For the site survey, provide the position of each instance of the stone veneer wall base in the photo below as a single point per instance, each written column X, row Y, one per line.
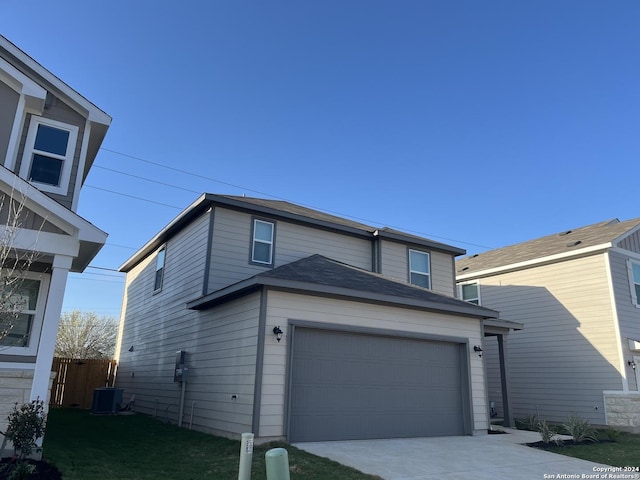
column 622, row 410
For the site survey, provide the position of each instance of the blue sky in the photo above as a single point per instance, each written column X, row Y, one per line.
column 477, row 123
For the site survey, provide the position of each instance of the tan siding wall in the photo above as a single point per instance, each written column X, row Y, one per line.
column 628, row 313
column 283, row 307
column 566, row 355
column 9, row 101
column 631, row 243
column 442, row 277
column 395, row 264
column 232, row 243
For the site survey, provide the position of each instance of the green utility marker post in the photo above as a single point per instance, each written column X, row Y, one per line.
column 277, row 460
column 246, row 455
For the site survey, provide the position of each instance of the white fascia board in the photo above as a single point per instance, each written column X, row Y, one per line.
column 35, row 95
column 92, row 111
column 52, row 211
column 535, row 262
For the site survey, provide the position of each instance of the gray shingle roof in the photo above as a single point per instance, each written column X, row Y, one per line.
column 283, row 206
column 317, row 274
column 564, row 242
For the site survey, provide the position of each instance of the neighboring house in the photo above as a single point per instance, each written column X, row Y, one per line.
column 49, row 137
column 577, row 293
column 294, row 324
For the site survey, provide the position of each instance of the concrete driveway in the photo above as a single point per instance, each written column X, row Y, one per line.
column 482, row 457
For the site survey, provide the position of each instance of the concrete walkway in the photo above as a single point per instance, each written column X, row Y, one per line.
column 481, row 457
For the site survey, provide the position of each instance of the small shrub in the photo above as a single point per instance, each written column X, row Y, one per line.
column 615, row 435
column 546, row 432
column 18, row 471
column 529, row 423
column 580, row 429
column 26, row 426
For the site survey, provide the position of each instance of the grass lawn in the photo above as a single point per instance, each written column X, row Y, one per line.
column 85, row 446
column 625, row 452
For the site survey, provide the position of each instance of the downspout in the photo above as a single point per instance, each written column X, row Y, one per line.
column 257, row 391
column 376, row 253
column 207, row 260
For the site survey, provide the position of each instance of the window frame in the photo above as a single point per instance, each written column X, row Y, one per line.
column 634, row 284
column 418, row 272
column 162, row 250
column 471, row 300
column 31, row 349
column 67, row 160
column 254, row 240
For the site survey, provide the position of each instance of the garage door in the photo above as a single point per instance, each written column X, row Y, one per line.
column 347, row 386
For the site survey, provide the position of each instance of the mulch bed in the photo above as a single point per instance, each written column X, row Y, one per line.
column 44, row 470
column 562, row 443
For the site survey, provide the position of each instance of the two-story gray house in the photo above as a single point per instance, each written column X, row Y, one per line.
column 577, row 293
column 300, row 325
column 49, row 138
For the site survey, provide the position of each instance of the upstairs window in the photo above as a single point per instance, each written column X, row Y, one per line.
column 157, row 286
column 419, row 271
column 48, row 154
column 634, row 282
column 262, row 244
column 470, row 292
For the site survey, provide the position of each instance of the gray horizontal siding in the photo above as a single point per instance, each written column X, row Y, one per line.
column 156, row 325
column 232, row 243
column 395, row 264
column 628, row 313
column 9, row 101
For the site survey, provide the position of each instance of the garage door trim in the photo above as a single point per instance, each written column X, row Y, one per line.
column 465, row 362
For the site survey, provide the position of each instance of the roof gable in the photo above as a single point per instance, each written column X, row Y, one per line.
column 551, row 248
column 90, row 238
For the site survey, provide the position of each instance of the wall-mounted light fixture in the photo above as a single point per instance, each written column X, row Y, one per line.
column 278, row 333
column 131, row 348
column 478, row 350
column 632, row 364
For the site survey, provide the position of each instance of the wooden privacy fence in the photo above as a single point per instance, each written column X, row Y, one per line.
column 77, row 378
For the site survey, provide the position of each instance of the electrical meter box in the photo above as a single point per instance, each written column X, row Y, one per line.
column 180, row 373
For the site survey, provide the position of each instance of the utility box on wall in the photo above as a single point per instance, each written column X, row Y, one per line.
column 180, row 372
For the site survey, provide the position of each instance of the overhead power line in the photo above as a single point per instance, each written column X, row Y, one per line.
column 211, row 179
column 133, row 196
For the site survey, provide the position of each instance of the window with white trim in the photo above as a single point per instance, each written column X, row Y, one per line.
column 634, row 282
column 262, row 243
column 470, row 292
column 159, row 276
column 22, row 313
column 419, row 269
column 48, row 154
